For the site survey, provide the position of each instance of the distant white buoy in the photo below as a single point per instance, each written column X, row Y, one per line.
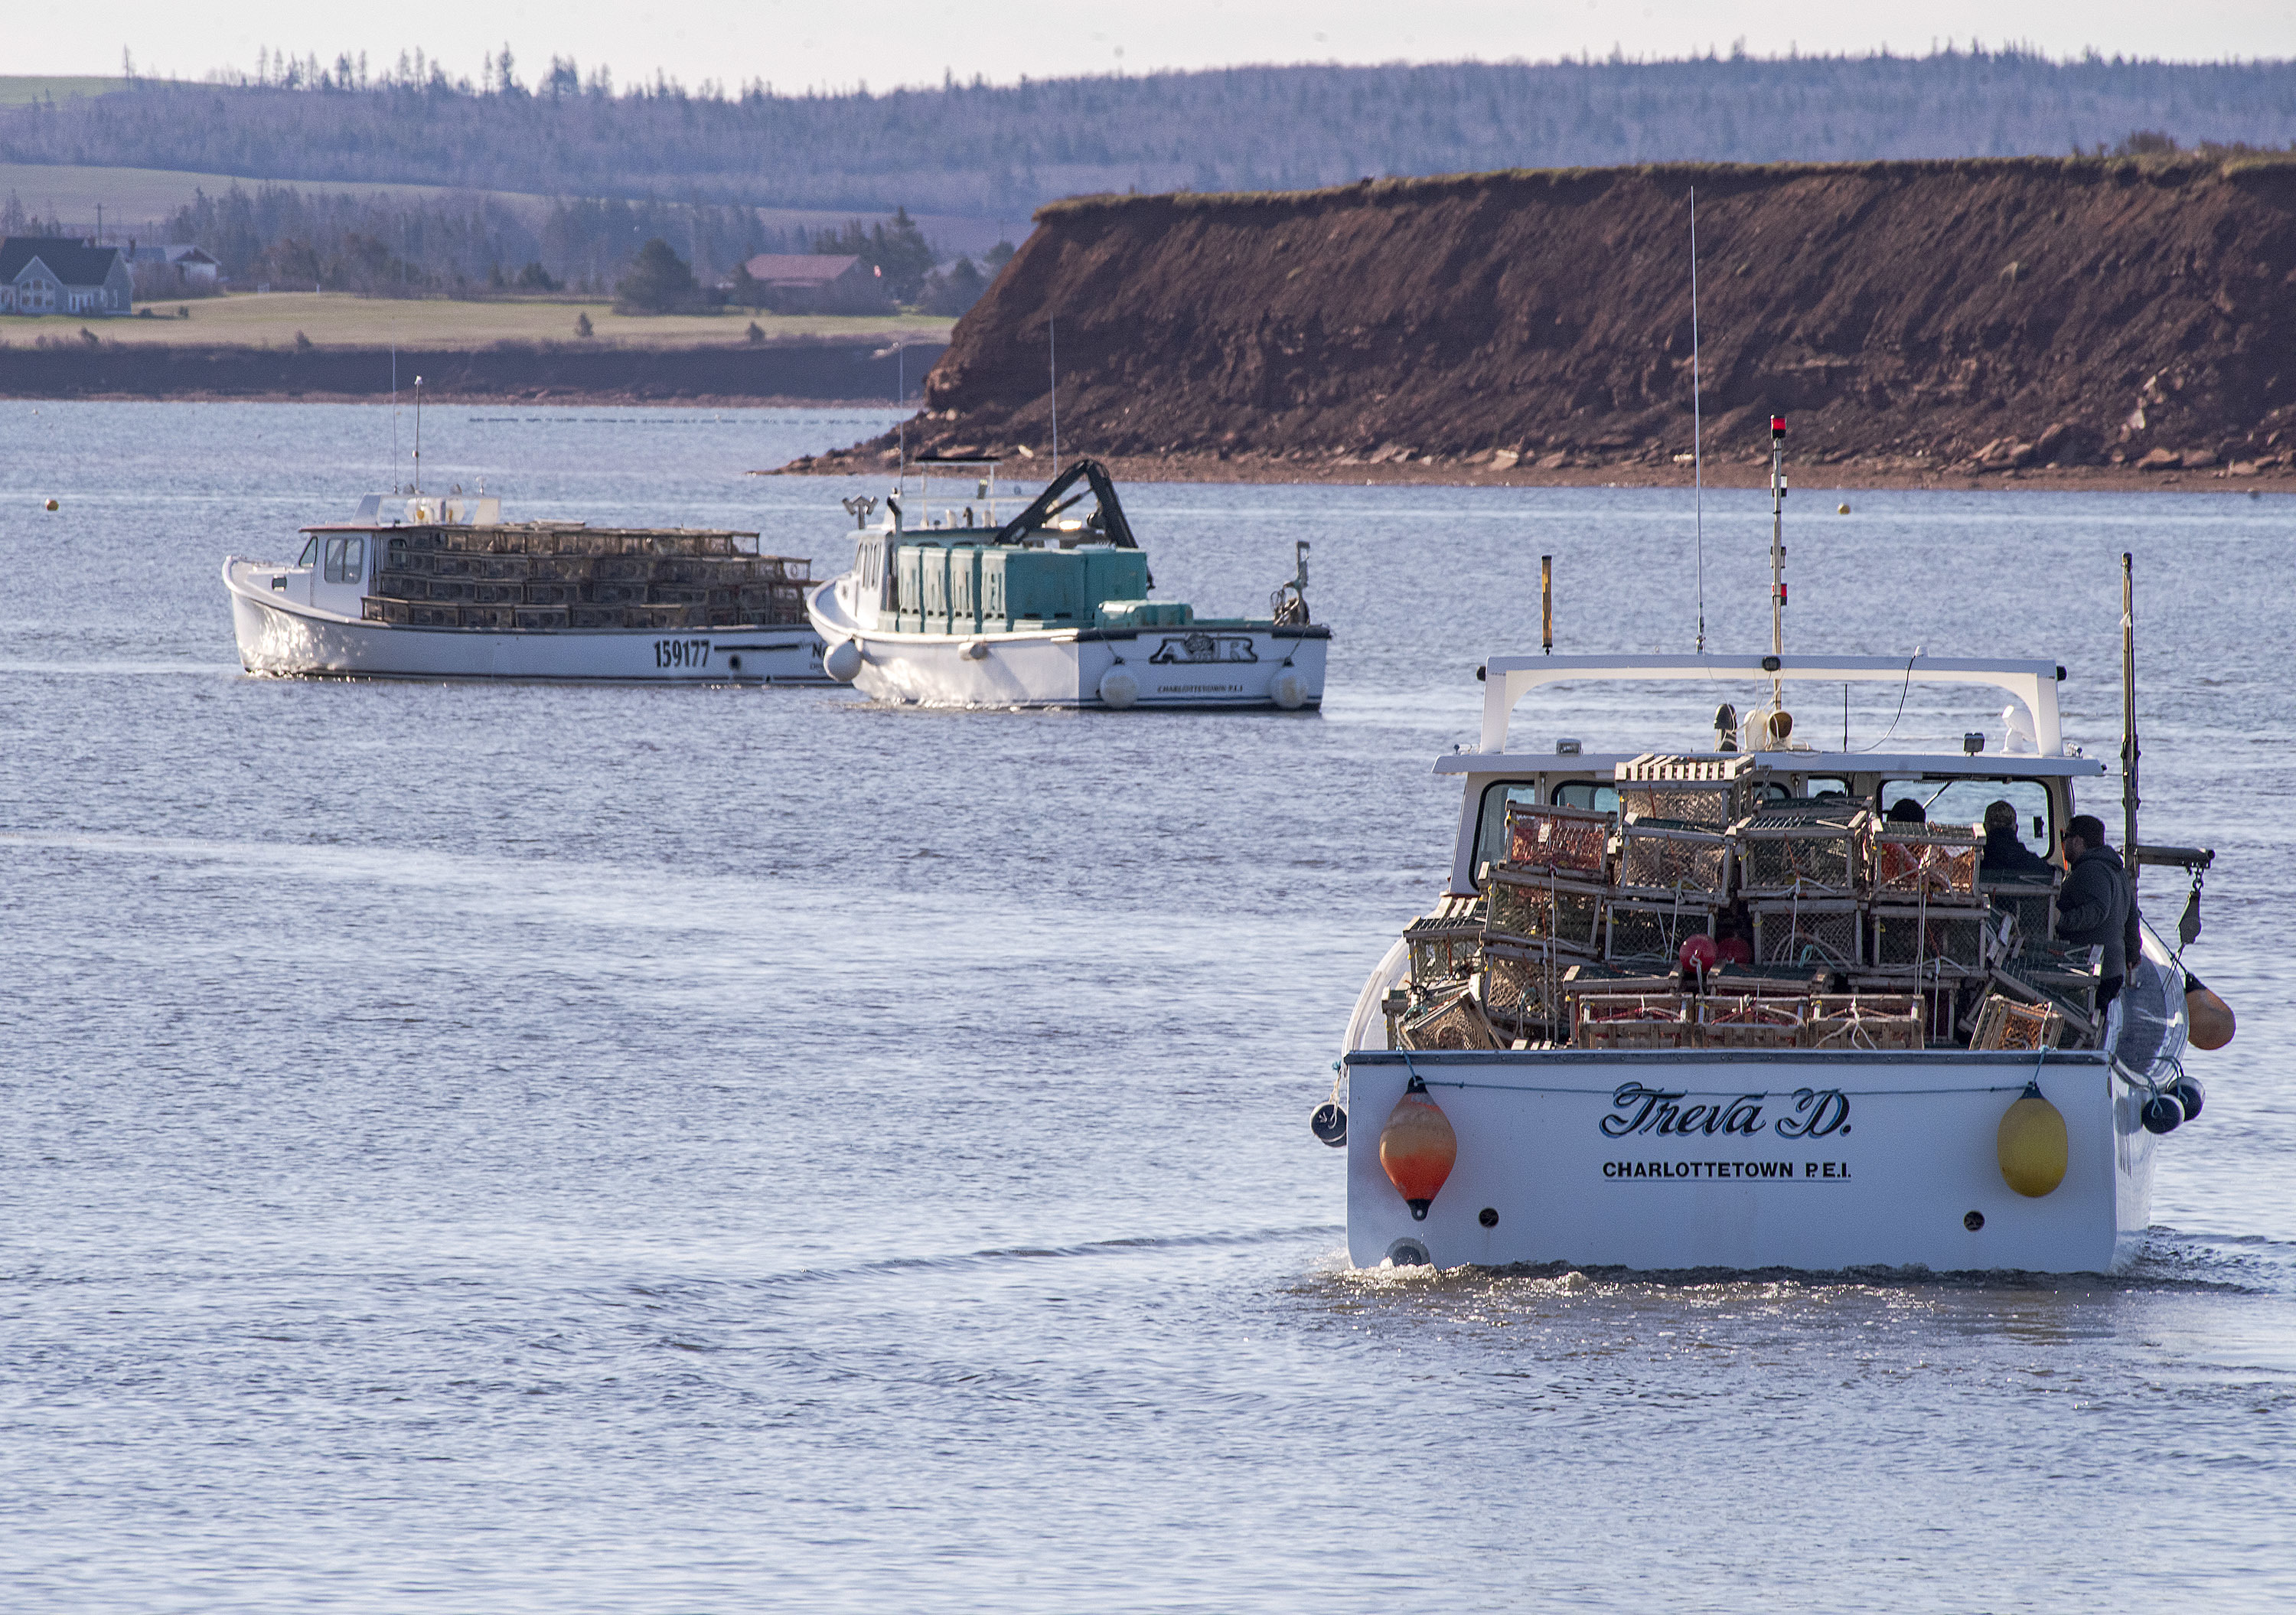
column 1119, row 689
column 843, row 661
column 1288, row 689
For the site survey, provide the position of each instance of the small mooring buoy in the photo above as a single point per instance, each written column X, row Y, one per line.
column 1417, row 1146
column 2031, row 1145
column 52, row 504
column 1841, row 509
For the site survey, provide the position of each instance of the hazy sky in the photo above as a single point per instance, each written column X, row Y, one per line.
column 794, row 44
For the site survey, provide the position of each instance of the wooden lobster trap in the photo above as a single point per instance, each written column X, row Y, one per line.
column 1845, row 1022
column 2003, row 1024
column 1653, row 930
column 1655, row 859
column 2056, row 973
column 2032, row 904
column 1521, row 988
column 1573, row 841
column 1935, row 864
column 1815, row 931
column 1543, row 908
column 1808, row 851
column 1633, row 1020
column 1755, row 1021
column 1443, row 947
column 1703, row 792
column 1940, row 994
column 1450, row 1019
column 1918, row 936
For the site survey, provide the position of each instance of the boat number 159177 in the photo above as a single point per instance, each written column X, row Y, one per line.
column 680, row 652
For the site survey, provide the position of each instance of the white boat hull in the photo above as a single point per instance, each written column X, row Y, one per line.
column 1224, row 667
column 1562, row 1159
column 277, row 635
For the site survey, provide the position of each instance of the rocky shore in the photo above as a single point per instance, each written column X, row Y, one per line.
column 2085, row 322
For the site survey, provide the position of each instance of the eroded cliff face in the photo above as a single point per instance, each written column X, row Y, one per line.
column 1961, row 314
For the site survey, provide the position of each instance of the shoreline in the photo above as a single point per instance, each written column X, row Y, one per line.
column 1846, row 477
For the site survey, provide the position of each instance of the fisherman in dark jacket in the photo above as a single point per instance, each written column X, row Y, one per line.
column 2097, row 907
column 2006, row 857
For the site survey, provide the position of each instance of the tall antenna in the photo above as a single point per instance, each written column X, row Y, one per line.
column 1697, row 426
column 418, row 435
column 2129, row 798
column 1777, row 559
column 901, row 401
column 1053, row 348
column 394, row 410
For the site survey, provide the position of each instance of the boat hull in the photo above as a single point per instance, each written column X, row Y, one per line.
column 1218, row 666
column 278, row 637
column 1806, row 1160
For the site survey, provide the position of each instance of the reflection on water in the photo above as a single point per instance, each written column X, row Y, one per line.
column 489, row 1147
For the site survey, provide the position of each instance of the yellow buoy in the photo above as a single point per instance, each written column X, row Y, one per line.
column 2031, row 1145
column 1841, row 511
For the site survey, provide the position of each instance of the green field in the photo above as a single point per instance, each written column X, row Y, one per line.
column 16, row 90
column 338, row 319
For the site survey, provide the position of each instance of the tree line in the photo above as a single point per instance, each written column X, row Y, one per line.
column 998, row 150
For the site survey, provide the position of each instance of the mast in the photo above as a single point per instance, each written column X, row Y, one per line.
column 2129, row 796
column 1777, row 555
column 1697, row 428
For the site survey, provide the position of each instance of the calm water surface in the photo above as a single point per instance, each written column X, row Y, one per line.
column 490, row 1148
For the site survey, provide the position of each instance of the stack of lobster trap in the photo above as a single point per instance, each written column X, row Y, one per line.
column 559, row 574
column 1835, row 930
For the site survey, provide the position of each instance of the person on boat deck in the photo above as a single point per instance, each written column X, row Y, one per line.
column 1905, row 811
column 2006, row 858
column 2098, row 907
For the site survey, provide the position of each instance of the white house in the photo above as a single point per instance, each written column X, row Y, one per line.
column 56, row 274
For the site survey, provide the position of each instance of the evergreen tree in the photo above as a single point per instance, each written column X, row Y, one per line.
column 660, row 282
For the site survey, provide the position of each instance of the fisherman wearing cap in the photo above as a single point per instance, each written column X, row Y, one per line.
column 2006, row 858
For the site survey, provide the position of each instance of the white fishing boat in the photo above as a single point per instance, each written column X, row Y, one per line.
column 1758, row 1003
column 1047, row 610
column 430, row 587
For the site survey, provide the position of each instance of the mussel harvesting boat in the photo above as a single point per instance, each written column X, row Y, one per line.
column 430, row 587
column 1047, row 610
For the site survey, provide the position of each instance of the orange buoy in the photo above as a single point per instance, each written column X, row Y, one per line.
column 1417, row 1147
column 2208, row 1021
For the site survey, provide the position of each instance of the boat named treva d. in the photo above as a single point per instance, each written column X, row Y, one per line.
column 1757, row 1004
column 430, row 587
column 1045, row 610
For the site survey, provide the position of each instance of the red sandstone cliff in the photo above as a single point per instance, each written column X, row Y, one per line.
column 1909, row 316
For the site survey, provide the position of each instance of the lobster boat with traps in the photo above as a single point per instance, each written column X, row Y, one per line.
column 430, row 587
column 1761, row 1003
column 955, row 609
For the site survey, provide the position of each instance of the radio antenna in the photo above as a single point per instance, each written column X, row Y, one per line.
column 1052, row 363
column 1697, row 427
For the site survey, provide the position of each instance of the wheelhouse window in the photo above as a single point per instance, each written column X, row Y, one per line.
column 1490, row 825
column 346, row 559
column 1964, row 801
column 310, row 555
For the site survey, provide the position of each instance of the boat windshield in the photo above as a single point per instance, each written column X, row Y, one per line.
column 1964, row 801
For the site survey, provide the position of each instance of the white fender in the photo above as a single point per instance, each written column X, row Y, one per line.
column 843, row 661
column 1117, row 688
